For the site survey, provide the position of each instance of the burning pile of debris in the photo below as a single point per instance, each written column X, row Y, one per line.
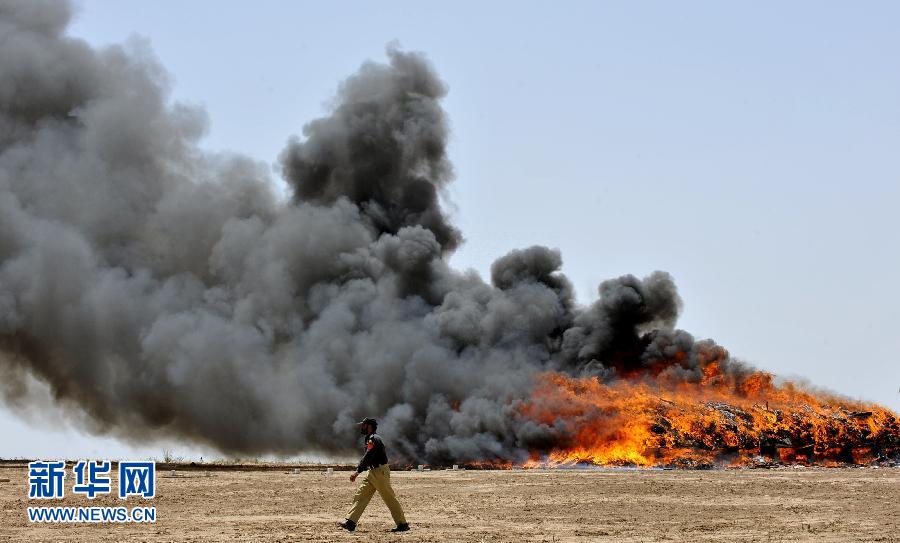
column 709, row 423
column 800, row 434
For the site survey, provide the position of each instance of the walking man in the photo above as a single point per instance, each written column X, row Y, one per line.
column 377, row 477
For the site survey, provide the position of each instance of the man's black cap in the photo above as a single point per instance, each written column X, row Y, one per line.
column 368, row 420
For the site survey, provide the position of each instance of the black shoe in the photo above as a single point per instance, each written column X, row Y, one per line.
column 401, row 528
column 349, row 525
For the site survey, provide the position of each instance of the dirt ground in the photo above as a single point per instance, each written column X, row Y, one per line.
column 821, row 505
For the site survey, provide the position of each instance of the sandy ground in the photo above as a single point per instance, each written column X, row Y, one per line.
column 821, row 505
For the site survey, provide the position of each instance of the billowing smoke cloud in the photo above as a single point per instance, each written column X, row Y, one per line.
column 383, row 148
column 165, row 291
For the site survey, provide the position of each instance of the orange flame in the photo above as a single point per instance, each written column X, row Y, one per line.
column 720, row 419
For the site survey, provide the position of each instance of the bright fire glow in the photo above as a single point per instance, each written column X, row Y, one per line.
column 718, row 420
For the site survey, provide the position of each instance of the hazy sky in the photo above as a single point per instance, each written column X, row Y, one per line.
column 751, row 151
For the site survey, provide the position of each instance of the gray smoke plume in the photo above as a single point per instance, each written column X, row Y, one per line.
column 383, row 148
column 164, row 290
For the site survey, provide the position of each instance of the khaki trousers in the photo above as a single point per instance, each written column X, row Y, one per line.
column 376, row 479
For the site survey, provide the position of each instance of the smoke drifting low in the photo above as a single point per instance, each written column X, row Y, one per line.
column 165, row 291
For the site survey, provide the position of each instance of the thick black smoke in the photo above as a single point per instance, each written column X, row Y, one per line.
column 164, row 291
column 383, row 148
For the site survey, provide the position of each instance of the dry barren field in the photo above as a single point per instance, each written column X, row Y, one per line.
column 821, row 505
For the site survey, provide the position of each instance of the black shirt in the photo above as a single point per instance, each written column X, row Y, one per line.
column 375, row 454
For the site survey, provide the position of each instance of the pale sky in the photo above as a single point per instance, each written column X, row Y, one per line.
column 750, row 150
